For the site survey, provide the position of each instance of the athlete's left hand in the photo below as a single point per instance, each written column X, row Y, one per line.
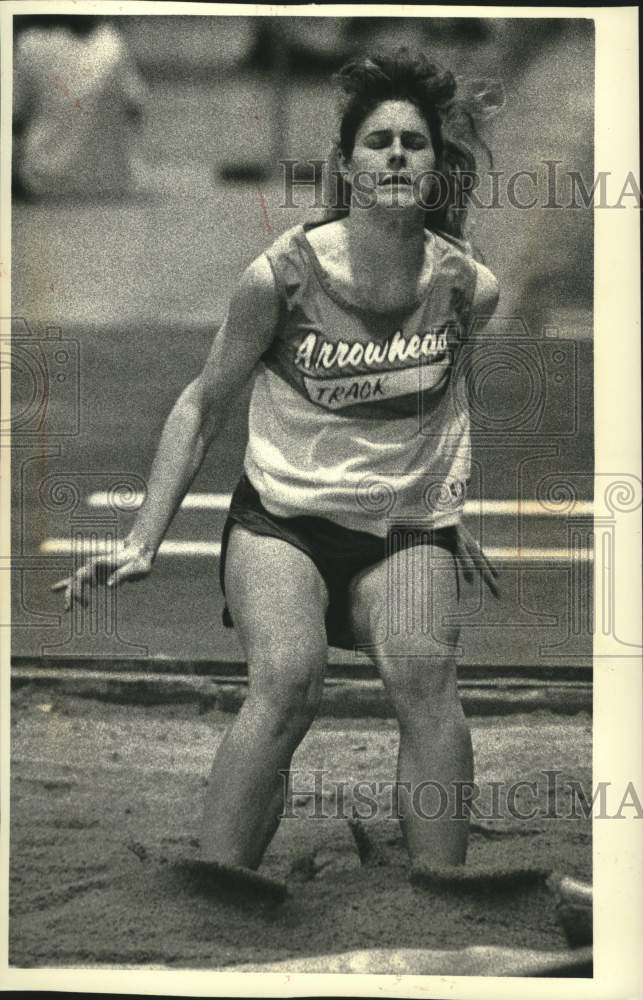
column 472, row 560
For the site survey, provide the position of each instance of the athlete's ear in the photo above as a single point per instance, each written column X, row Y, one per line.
column 342, row 162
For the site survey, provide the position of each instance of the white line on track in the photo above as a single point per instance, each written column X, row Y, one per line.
column 538, row 555
column 66, row 546
column 221, row 501
column 527, row 508
column 132, row 501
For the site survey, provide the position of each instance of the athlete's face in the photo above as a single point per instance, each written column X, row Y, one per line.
column 393, row 158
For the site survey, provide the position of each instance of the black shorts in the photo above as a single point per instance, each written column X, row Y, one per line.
column 338, row 553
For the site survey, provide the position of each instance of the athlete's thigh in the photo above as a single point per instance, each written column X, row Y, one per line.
column 275, row 594
column 405, row 605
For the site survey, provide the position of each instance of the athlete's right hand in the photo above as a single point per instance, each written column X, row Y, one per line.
column 126, row 561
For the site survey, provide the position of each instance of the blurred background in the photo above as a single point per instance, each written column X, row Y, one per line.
column 146, row 176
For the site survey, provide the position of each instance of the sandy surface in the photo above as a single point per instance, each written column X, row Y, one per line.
column 106, row 800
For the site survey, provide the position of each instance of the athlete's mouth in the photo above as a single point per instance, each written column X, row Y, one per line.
column 395, row 180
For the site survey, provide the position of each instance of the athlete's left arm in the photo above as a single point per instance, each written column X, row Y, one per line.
column 471, row 558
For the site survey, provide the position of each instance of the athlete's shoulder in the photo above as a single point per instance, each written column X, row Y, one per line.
column 289, row 262
column 485, row 284
column 285, row 242
column 487, row 292
column 257, row 278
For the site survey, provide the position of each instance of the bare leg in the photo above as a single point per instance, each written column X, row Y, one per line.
column 414, row 653
column 277, row 600
column 435, row 749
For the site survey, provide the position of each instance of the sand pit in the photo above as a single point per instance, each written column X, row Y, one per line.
column 106, row 802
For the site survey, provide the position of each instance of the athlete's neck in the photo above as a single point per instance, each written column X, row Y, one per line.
column 394, row 240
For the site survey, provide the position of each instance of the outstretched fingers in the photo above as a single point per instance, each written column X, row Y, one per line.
column 114, row 568
column 487, row 569
column 74, row 585
column 474, row 559
column 491, row 569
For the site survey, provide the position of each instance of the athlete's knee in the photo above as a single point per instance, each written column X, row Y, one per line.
column 423, row 689
column 287, row 686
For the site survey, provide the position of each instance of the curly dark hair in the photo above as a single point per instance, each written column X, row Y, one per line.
column 366, row 82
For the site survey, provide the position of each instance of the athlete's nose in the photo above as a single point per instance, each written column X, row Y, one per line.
column 396, row 156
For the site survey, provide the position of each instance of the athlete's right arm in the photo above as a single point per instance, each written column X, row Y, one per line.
column 194, row 421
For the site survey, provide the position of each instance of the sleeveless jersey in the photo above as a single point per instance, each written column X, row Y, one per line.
column 360, row 416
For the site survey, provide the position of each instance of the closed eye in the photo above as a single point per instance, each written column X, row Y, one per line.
column 378, row 140
column 384, row 137
column 414, row 140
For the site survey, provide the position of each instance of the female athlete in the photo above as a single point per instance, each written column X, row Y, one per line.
column 345, row 528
